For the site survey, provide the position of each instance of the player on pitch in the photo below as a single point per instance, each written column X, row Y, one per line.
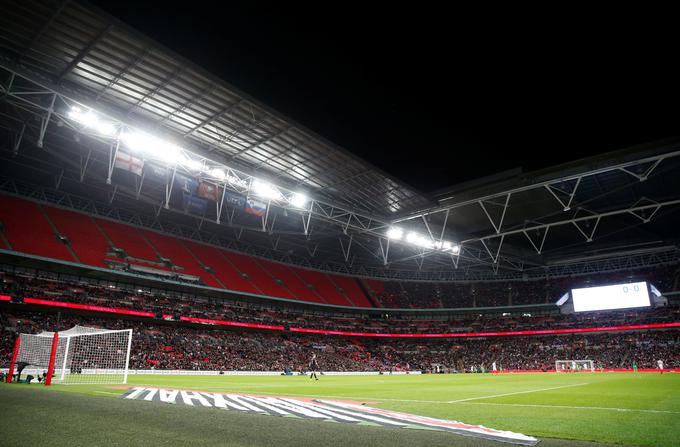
column 313, row 368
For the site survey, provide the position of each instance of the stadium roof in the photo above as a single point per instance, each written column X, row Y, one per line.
column 119, row 69
column 57, row 57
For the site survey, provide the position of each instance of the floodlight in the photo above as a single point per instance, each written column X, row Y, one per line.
column 237, row 181
column 106, row 129
column 217, row 173
column 298, row 200
column 193, row 165
column 87, row 119
column 153, row 146
column 412, row 237
column 455, row 248
column 266, row 190
column 395, row 233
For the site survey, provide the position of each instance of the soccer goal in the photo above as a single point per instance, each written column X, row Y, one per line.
column 574, row 365
column 80, row 355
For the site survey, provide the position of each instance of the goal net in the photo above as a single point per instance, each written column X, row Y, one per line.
column 574, row 365
column 80, row 355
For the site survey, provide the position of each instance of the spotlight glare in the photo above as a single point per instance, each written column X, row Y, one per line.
column 265, row 190
column 106, row 129
column 395, row 233
column 193, row 165
column 298, row 200
column 217, row 173
column 153, row 146
column 87, row 119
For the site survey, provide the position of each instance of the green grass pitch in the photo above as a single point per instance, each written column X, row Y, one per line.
column 560, row 409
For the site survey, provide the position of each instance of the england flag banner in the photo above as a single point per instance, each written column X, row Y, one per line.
column 129, row 163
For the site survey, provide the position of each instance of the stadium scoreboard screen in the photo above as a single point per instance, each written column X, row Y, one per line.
column 616, row 296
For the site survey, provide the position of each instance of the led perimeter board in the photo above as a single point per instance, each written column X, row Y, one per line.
column 616, row 296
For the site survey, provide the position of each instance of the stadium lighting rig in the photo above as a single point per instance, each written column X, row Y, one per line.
column 151, row 147
column 419, row 240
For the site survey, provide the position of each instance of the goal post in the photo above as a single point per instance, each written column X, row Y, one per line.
column 574, row 365
column 80, row 355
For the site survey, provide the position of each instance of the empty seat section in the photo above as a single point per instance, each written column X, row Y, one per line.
column 172, row 248
column 27, row 229
column 262, row 279
column 374, row 285
column 292, row 282
column 129, row 239
column 86, row 240
column 228, row 275
column 352, row 290
column 323, row 286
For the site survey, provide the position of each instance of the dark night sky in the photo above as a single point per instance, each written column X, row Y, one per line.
column 438, row 97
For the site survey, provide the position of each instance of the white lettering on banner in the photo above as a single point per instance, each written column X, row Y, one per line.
column 189, row 396
column 321, row 409
column 168, row 396
column 151, row 394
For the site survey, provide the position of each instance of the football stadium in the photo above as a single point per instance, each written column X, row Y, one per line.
column 182, row 264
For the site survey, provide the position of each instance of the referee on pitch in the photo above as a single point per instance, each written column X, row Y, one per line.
column 313, row 368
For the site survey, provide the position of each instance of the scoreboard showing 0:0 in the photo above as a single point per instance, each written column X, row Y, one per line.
column 616, row 296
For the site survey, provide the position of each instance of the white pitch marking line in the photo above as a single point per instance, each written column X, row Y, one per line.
column 517, row 392
column 108, row 392
column 575, row 407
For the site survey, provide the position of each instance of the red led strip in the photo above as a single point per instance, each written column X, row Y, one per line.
column 490, row 334
column 230, row 323
column 343, row 333
column 135, row 313
column 5, row 298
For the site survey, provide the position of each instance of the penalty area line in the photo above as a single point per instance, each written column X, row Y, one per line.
column 515, row 393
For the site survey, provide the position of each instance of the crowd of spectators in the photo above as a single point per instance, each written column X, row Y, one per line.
column 244, row 312
column 424, row 295
column 175, row 346
column 162, row 344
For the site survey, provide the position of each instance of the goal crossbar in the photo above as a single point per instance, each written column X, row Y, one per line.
column 77, row 355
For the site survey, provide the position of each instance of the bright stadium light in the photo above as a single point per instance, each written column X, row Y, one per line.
column 233, row 180
column 265, row 190
column 395, row 233
column 298, row 200
column 455, row 248
column 87, row 119
column 217, row 173
column 106, row 129
column 153, row 146
column 193, row 165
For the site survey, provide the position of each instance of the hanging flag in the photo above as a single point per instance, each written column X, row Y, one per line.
column 234, row 200
column 208, row 191
column 185, row 183
column 194, row 205
column 154, row 171
column 129, row 163
column 255, row 207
